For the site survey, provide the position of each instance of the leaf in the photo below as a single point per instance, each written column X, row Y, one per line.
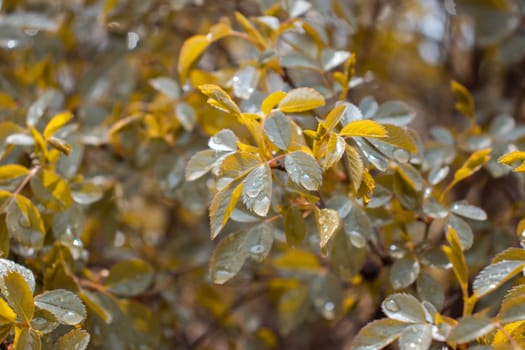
column 56, row 123
column 411, row 175
column 326, row 294
column 378, row 334
column 334, row 117
column 347, row 259
column 219, row 99
column 237, row 165
column 278, row 130
column 404, row 272
column 224, row 140
column 304, row 170
column 364, row 128
column 7, row 101
column 328, row 222
column 27, row 339
column 10, row 172
column 20, row 139
column 510, row 254
column 76, row 339
column 394, row 113
column 469, row 211
column 190, row 52
column 301, row 100
column 25, row 224
column 430, row 290
column 399, row 137
column 404, row 307
column 271, row 101
column 494, row 275
column 416, row 337
column 473, row 164
column 44, row 322
column 7, row 266
column 335, row 150
column 60, row 145
column 7, row 315
column 470, row 328
column 96, row 305
column 294, row 226
column 293, row 308
column 5, row 331
column 66, row 306
column 355, row 167
column 513, row 306
column 257, row 190
column 462, row 228
column 456, row 257
column 19, row 296
column 250, row 29
column 51, row 190
column 222, row 206
column 167, row 86
column 358, row 224
column 464, row 100
column 129, row 277
column 202, row 162
column 512, row 157
column 231, row 253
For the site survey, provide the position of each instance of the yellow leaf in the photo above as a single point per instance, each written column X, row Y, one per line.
column 355, row 166
column 328, row 222
column 7, row 315
column 219, row 99
column 516, row 330
column 250, row 29
column 365, row 128
column 271, row 101
column 7, row 101
column 464, row 100
column 56, row 123
column 296, row 259
column 473, row 163
column 399, row 137
column 222, row 206
column 455, row 255
column 512, row 157
column 333, row 118
column 190, row 52
column 40, row 143
column 367, row 186
column 301, row 100
column 12, row 171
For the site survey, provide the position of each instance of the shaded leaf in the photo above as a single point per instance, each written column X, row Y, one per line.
column 334, row 151
column 470, row 328
column 411, row 175
column 404, row 272
column 202, row 162
column 430, row 290
column 51, row 190
column 7, row 315
column 293, row 308
column 129, row 277
column 355, row 167
column 463, row 230
column 66, row 306
column 304, row 170
column 27, row 339
column 378, row 334
column 224, row 140
column 222, row 206
column 416, row 337
column 301, row 100
column 76, row 339
column 464, row 100
column 167, row 86
column 7, row 266
column 19, row 296
column 394, row 112
column 44, row 321
column 25, row 224
column 513, row 306
column 219, row 99
column 294, row 226
column 278, row 130
column 257, row 190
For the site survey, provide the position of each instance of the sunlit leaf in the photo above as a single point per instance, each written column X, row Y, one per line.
column 7, row 315
column 25, row 224
column 301, row 100
column 219, row 99
column 271, row 101
column 464, row 100
column 66, row 306
column 328, row 222
column 355, row 167
column 56, row 123
column 51, row 190
column 394, row 112
column 190, row 52
column 429, row 289
column 365, row 128
column 457, row 259
column 399, row 137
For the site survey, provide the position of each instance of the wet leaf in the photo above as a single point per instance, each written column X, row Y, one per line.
column 271, row 101
column 494, row 275
column 328, row 222
column 294, row 226
column 404, row 307
column 404, row 272
column 513, row 306
column 245, row 82
column 51, row 190
column 25, row 224
column 222, row 206
column 430, row 289
column 469, row 211
column 129, row 277
column 7, row 314
column 301, row 100
column 224, row 140
column 355, row 166
column 190, row 52
column 219, row 99
column 19, row 296
column 304, row 170
column 378, row 334
column 473, row 164
column 202, row 162
column 357, row 225
column 394, row 112
column 416, row 337
column 470, row 328
column 463, row 230
column 66, row 306
column 44, row 321
column 335, row 150
column 455, row 255
column 76, row 339
column 257, row 190
column 278, row 130
column 399, row 137
column 411, row 175
column 7, row 266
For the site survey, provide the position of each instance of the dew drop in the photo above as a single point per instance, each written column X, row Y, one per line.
column 262, row 206
column 357, row 239
column 308, row 182
column 396, row 250
column 71, row 317
column 401, row 155
column 328, row 310
column 391, row 305
column 253, row 191
column 257, row 249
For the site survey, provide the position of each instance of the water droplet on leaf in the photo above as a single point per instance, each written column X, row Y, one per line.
column 391, row 305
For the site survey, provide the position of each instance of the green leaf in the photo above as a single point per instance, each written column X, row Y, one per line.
column 231, row 252
column 328, row 222
column 56, row 123
column 27, row 339
column 25, row 224
column 129, row 277
column 51, row 190
column 66, row 306
column 416, row 337
column 304, row 170
column 7, row 315
column 294, row 226
column 190, row 52
column 301, row 100
column 469, row 211
column 464, row 100
column 462, row 228
column 222, row 206
column 96, row 305
column 404, row 307
column 470, row 328
column 44, row 322
column 293, row 308
column 202, row 162
column 326, row 294
column 76, row 339
column 346, row 258
column 12, row 171
column 257, row 190
column 364, row 128
column 357, row 226
column 167, row 86
column 219, row 99
column 430, row 290
column 19, row 296
column 455, row 256
column 355, row 167
column 378, row 334
column 404, row 272
column 278, row 130
column 394, row 112
column 494, row 275
column 224, row 140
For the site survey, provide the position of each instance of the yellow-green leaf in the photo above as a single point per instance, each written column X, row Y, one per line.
column 51, row 190
column 25, row 224
column 455, row 256
column 364, row 128
column 76, row 339
column 219, row 99
column 473, row 163
column 301, row 100
column 271, row 101
column 328, row 222
column 464, row 100
column 250, row 29
column 27, row 339
column 222, row 206
column 355, row 167
column 7, row 315
column 399, row 137
column 333, row 118
column 190, row 52
column 57, row 122
column 19, row 296
column 12, row 171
